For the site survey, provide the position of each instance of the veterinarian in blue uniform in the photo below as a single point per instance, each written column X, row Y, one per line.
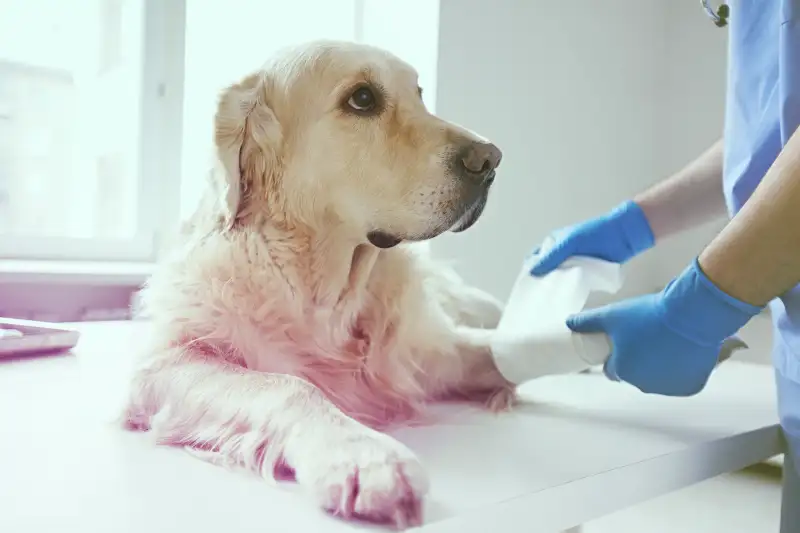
column 668, row 343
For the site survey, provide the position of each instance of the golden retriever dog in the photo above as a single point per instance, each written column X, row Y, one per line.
column 295, row 318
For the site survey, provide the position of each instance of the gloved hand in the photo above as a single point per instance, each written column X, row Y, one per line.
column 616, row 236
column 668, row 343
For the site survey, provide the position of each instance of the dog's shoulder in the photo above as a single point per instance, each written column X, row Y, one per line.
column 234, row 272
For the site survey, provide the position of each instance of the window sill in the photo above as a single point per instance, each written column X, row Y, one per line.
column 93, row 273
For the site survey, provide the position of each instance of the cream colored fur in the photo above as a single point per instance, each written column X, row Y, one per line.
column 282, row 339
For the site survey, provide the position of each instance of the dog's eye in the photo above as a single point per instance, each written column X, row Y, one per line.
column 362, row 99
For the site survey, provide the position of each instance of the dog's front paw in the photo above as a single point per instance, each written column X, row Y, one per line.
column 366, row 475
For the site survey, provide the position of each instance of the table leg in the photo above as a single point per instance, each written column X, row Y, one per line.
column 790, row 499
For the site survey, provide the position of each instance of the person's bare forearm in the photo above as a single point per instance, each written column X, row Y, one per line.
column 757, row 256
column 691, row 197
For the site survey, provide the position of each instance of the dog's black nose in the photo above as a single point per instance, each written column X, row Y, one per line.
column 479, row 160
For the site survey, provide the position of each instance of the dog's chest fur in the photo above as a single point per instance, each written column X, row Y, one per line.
column 265, row 312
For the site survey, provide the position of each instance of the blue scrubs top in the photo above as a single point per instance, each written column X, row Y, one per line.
column 762, row 112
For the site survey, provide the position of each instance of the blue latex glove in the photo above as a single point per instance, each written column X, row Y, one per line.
column 668, row 343
column 616, row 236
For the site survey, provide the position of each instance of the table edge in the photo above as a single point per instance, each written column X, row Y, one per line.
column 620, row 487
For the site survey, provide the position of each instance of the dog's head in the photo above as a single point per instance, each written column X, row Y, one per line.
column 337, row 133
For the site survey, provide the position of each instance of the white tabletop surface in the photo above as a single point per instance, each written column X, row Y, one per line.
column 578, row 448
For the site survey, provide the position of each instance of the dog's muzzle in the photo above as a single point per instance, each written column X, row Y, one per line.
column 475, row 166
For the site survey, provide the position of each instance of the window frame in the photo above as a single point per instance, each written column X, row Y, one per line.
column 159, row 157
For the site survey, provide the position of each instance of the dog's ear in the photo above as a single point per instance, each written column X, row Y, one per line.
column 248, row 139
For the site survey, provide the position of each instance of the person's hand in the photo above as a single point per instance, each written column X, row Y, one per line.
column 668, row 343
column 616, row 236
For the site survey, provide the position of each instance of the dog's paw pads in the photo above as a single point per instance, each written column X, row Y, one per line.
column 371, row 479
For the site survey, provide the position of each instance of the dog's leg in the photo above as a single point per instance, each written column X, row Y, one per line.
column 475, row 308
column 464, row 304
column 473, row 314
column 275, row 424
column 466, row 370
column 481, row 379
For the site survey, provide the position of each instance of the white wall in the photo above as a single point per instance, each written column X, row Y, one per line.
column 590, row 103
column 693, row 96
column 387, row 25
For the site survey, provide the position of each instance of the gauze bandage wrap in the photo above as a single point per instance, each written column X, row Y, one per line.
column 532, row 338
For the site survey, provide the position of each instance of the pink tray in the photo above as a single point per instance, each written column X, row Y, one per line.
column 37, row 337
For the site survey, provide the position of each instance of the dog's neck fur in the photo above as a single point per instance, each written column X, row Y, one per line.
column 342, row 269
column 340, row 265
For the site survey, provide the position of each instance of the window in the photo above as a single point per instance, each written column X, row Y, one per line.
column 72, row 115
